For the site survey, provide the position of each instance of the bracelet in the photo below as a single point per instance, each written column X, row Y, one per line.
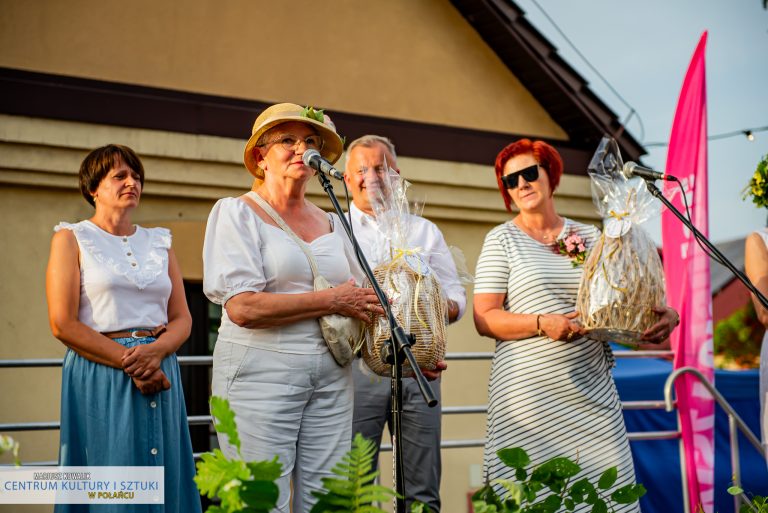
column 538, row 326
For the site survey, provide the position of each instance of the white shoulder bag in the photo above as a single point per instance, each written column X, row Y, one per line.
column 344, row 335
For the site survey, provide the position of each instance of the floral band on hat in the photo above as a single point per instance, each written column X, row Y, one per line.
column 311, row 113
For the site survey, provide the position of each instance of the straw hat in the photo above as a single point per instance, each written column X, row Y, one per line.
column 333, row 146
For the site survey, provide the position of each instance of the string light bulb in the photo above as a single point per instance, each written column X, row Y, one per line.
column 749, row 133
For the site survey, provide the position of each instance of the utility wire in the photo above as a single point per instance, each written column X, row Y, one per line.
column 632, row 110
column 747, row 132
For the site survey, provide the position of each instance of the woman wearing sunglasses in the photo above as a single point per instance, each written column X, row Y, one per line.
column 551, row 391
column 290, row 398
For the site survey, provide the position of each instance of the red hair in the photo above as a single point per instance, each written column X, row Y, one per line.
column 546, row 156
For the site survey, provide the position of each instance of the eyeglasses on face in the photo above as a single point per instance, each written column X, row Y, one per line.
column 379, row 170
column 291, row 142
column 530, row 174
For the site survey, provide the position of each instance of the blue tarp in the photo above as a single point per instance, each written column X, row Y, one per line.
column 657, row 462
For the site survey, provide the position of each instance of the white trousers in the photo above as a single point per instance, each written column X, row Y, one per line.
column 294, row 406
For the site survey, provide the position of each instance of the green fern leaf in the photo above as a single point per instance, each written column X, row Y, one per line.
column 339, row 487
column 353, row 490
column 369, row 509
column 379, row 494
column 342, row 503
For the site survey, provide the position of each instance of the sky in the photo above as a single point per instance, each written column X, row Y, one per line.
column 643, row 50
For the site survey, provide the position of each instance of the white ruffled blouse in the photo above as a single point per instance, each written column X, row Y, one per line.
column 124, row 281
column 242, row 253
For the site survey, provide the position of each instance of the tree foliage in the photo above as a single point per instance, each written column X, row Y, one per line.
column 738, row 338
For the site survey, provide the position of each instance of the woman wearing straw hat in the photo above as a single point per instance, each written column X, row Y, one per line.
column 551, row 391
column 290, row 397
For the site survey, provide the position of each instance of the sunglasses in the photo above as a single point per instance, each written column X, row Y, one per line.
column 530, row 174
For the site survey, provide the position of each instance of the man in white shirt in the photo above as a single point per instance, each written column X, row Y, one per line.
column 420, row 424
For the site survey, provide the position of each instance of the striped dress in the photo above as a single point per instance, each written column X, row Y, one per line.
column 550, row 398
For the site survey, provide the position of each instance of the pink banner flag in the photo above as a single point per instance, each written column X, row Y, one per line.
column 686, row 268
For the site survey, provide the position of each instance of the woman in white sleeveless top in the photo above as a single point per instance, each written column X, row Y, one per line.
column 756, row 266
column 551, row 392
column 116, row 300
column 290, row 397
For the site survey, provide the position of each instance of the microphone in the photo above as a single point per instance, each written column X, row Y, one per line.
column 313, row 159
column 632, row 169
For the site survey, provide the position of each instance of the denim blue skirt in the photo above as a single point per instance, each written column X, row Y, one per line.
column 107, row 421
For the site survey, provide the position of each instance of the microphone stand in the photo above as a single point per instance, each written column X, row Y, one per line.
column 701, row 238
column 396, row 350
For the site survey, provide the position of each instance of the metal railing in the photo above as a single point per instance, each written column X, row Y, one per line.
column 735, row 423
column 447, row 410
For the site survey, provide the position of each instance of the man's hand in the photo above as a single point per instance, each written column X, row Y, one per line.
column 660, row 331
column 432, row 375
column 452, row 308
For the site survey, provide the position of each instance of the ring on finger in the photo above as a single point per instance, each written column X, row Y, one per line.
column 570, row 335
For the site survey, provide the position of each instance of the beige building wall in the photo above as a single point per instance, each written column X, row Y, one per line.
column 185, row 175
column 414, row 60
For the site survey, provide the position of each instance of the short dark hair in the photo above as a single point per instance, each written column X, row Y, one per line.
column 98, row 163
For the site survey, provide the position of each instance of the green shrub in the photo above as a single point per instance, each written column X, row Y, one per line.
column 251, row 488
column 240, row 486
column 754, row 504
column 737, row 339
column 554, row 475
column 8, row 444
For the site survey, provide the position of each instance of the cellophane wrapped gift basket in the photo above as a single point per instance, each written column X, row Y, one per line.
column 623, row 276
column 416, row 297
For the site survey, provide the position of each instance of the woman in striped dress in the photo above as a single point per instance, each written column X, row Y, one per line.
column 551, row 391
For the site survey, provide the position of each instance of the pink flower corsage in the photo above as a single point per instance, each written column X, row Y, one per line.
column 572, row 246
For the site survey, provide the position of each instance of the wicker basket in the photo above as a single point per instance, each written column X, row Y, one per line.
column 418, row 305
